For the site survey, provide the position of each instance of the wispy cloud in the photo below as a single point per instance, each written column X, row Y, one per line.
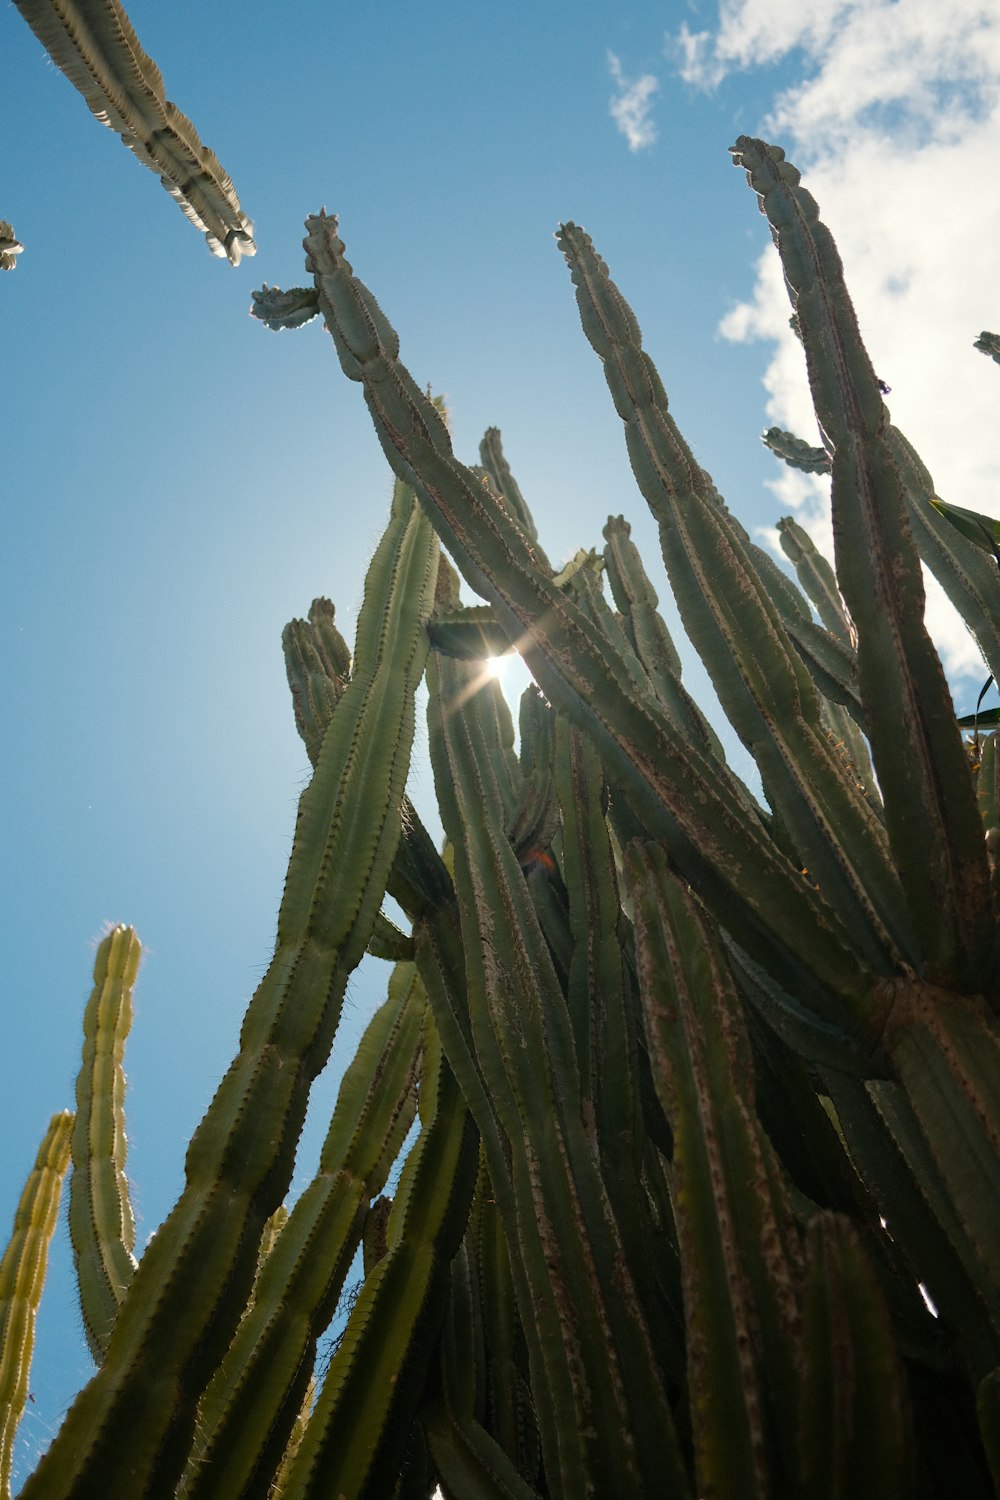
column 895, row 119
column 630, row 107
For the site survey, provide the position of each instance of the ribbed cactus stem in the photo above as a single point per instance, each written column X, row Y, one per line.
column 101, row 1223
column 94, row 44
column 22, row 1277
column 129, row 1431
column 683, row 795
column 916, row 748
column 248, row 1414
column 10, row 247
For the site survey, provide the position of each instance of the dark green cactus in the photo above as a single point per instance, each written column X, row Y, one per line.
column 706, row 1089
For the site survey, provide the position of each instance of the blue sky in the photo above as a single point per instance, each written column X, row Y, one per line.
column 181, row 482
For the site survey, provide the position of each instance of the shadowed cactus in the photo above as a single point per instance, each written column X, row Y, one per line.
column 701, row 1089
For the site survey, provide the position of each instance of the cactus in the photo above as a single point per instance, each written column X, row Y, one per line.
column 704, row 1086
column 10, row 247
column 101, row 1223
column 22, row 1276
column 93, row 43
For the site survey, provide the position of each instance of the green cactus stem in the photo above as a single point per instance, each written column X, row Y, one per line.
column 129, row 1430
column 22, row 1277
column 593, row 1368
column 853, row 1436
column 740, row 1250
column 916, row 748
column 796, row 452
column 10, row 247
column 380, row 1366
column 680, row 794
column 247, row 1415
column 101, row 1223
column 93, row 43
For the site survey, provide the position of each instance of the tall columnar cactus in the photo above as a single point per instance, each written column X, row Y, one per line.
column 94, row 44
column 703, row 1087
column 130, row 1429
column 22, row 1276
column 101, row 1222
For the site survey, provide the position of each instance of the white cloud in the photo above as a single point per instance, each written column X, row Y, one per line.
column 630, row 107
column 895, row 122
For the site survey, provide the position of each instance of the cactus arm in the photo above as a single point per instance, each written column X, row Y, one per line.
column 389, row 941
column 816, row 577
column 10, row 247
column 356, row 1435
column 682, row 795
column 93, row 43
column 469, row 633
column 604, row 1015
column 492, row 457
column 946, row 1053
column 988, row 343
column 318, row 667
column 739, row 1249
column 246, row 1415
column 893, row 1158
column 796, row 452
column 524, row 1042
column 637, row 602
column 494, row 1291
column 101, row 1224
column 192, row 1283
column 820, row 584
column 964, row 564
column 984, row 531
column 467, row 1458
column 22, row 1277
column 916, row 748
column 278, row 310
column 738, row 630
column 853, row 1433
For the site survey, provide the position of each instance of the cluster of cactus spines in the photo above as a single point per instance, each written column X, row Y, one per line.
column 988, row 343
column 93, row 43
column 706, row 1086
column 22, row 1277
column 101, row 1222
column 10, row 247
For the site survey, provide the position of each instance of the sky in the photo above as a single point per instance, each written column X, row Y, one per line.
column 181, row 482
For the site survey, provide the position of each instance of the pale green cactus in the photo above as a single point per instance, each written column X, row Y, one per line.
column 101, row 1222
column 94, row 44
column 10, row 247
column 22, row 1277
